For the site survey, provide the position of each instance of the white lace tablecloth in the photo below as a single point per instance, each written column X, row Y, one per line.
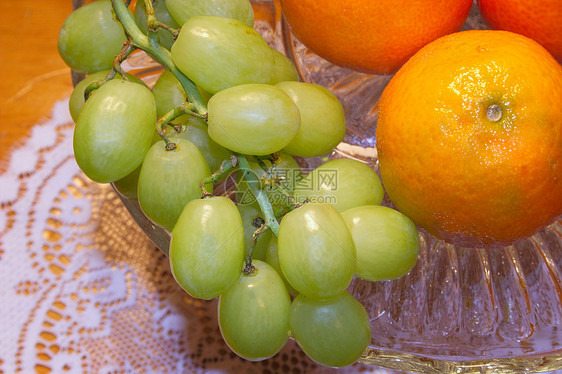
column 82, row 290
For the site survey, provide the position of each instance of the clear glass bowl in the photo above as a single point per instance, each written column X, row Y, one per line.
column 463, row 310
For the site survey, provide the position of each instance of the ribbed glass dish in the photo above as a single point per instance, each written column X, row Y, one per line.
column 462, row 310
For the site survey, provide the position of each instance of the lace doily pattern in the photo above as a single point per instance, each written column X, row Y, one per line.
column 84, row 291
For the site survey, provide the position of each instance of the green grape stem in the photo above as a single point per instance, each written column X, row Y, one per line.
column 174, row 32
column 151, row 20
column 186, row 108
column 248, row 267
column 272, row 182
column 225, row 167
column 125, row 52
column 259, row 194
column 158, row 53
column 153, row 24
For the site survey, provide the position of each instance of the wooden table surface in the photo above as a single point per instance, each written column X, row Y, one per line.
column 32, row 75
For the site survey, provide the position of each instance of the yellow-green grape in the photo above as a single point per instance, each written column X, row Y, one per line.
column 316, row 250
column 284, row 69
column 217, row 53
column 322, row 119
column 343, row 183
column 114, row 130
column 332, row 332
column 76, row 101
column 254, row 314
column 182, row 10
column 386, row 242
column 91, row 37
column 207, row 247
column 170, row 179
column 253, row 119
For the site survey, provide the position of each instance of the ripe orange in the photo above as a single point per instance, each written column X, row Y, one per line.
column 469, row 138
column 372, row 36
column 540, row 20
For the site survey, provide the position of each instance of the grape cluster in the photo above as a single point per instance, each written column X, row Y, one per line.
column 281, row 258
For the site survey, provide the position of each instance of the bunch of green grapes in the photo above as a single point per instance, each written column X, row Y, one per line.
column 282, row 251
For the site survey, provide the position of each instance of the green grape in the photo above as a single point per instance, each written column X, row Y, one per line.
column 322, row 119
column 254, row 314
column 316, row 250
column 182, row 10
column 286, row 172
column 169, row 94
column 127, row 186
column 272, row 258
column 343, row 183
column 114, row 130
column 249, row 213
column 170, row 179
column 91, row 37
column 76, row 101
column 284, row 69
column 161, row 13
column 332, row 332
column 207, row 247
column 217, row 53
column 386, row 242
column 253, row 119
column 197, row 133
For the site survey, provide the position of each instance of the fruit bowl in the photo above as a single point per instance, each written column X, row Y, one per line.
column 464, row 310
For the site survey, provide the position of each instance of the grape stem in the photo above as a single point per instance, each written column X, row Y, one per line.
column 186, row 108
column 225, row 167
column 248, row 267
column 158, row 53
column 271, row 181
column 153, row 24
column 174, row 32
column 259, row 194
column 125, row 52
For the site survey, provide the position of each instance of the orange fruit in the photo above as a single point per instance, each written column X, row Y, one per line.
column 540, row 20
column 372, row 36
column 469, row 138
